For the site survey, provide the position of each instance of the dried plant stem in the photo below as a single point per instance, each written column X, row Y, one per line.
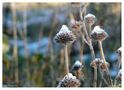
column 66, row 59
column 103, row 77
column 104, row 61
column 15, row 49
column 95, row 69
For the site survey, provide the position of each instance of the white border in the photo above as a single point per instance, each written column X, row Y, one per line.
column 95, row 1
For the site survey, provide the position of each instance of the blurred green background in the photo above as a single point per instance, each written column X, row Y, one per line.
column 31, row 58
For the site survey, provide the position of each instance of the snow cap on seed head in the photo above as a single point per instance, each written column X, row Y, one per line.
column 64, row 35
column 77, row 65
column 69, row 81
column 98, row 34
column 90, row 19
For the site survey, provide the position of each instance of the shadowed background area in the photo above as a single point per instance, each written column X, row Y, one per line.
column 31, row 58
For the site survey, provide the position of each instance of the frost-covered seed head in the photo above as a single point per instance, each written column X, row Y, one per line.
column 64, row 36
column 119, row 51
column 98, row 34
column 77, row 65
column 90, row 19
column 69, row 81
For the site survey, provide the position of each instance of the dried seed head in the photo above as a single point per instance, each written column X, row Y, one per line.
column 69, row 81
column 77, row 65
column 96, row 62
column 76, row 28
column 64, row 36
column 119, row 51
column 98, row 34
column 90, row 19
column 119, row 75
column 103, row 66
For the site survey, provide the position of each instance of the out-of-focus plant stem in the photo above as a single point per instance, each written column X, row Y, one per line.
column 25, row 43
column 15, row 49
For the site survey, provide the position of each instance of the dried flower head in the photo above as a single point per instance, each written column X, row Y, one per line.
column 76, row 28
column 119, row 51
column 69, row 81
column 103, row 66
column 90, row 19
column 119, row 75
column 96, row 62
column 98, row 34
column 77, row 65
column 64, row 36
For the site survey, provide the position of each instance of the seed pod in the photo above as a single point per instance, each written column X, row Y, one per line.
column 77, row 65
column 69, row 81
column 90, row 19
column 64, row 36
column 98, row 34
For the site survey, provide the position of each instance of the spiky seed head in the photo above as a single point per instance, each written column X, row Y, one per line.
column 98, row 34
column 69, row 81
column 77, row 65
column 119, row 75
column 64, row 36
column 90, row 19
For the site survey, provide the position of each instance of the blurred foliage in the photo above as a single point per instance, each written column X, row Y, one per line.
column 46, row 65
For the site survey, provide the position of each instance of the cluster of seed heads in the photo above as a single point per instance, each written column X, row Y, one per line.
column 65, row 36
column 99, row 63
column 69, row 81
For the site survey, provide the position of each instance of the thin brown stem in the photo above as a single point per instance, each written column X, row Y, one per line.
column 25, row 42
column 104, row 61
column 66, row 60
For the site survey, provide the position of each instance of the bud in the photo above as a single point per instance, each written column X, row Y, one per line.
column 90, row 19
column 77, row 65
column 64, row 36
column 98, row 34
column 69, row 81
